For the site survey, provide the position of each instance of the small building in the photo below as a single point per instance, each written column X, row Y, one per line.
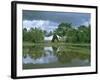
column 48, row 38
column 52, row 38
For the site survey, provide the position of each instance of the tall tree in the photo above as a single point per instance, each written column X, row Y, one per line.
column 33, row 35
column 62, row 29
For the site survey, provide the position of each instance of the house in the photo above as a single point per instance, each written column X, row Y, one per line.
column 49, row 38
column 52, row 38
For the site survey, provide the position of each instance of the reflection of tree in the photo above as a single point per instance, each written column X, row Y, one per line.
column 33, row 51
column 55, row 47
column 67, row 54
column 64, row 53
column 64, row 56
column 61, row 54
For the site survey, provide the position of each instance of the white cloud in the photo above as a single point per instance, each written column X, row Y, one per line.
column 86, row 23
column 43, row 24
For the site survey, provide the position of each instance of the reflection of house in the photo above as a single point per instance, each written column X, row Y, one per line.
column 52, row 37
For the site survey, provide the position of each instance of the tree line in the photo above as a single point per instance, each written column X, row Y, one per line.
column 81, row 34
column 34, row 35
column 66, row 31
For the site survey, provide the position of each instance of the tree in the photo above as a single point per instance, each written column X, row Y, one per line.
column 47, row 34
column 33, row 35
column 26, row 35
column 62, row 29
column 72, row 36
column 84, row 34
column 69, row 34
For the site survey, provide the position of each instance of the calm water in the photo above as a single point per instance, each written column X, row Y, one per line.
column 40, row 56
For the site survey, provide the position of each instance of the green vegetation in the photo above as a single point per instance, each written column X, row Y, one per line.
column 66, row 31
column 68, row 55
column 34, row 35
column 72, row 35
column 71, row 48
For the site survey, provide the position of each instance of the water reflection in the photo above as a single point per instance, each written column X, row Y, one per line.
column 47, row 57
column 55, row 54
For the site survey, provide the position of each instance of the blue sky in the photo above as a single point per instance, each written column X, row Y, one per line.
column 48, row 20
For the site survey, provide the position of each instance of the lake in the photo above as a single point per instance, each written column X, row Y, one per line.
column 54, row 56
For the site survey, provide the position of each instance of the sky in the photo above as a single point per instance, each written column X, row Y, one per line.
column 49, row 20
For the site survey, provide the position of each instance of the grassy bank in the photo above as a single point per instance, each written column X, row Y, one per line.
column 56, row 43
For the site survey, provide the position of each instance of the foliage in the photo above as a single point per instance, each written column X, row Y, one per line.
column 71, row 34
column 33, row 35
column 47, row 34
column 67, row 33
column 62, row 29
column 84, row 34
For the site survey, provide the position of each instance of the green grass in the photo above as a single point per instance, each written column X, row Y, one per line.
column 56, row 43
column 28, row 44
